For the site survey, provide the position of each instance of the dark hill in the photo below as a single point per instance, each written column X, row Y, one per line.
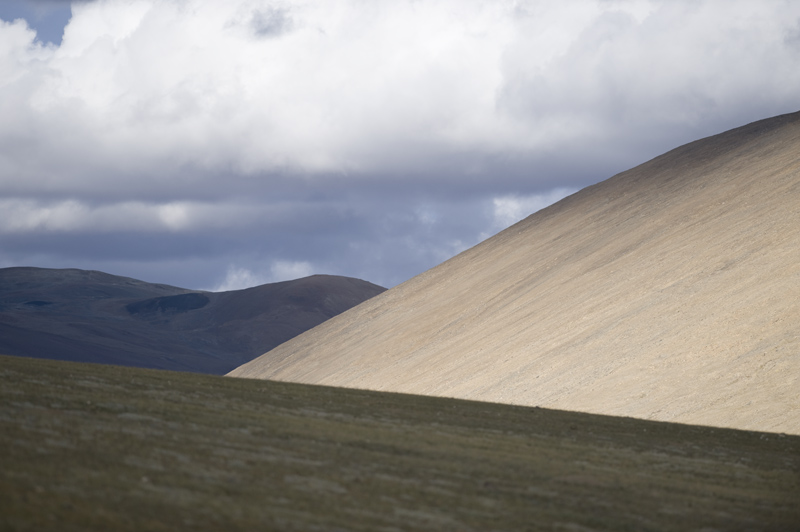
column 91, row 316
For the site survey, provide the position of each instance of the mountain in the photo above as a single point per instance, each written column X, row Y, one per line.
column 91, row 316
column 670, row 292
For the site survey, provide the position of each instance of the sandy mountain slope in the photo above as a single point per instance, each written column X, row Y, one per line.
column 90, row 316
column 670, row 291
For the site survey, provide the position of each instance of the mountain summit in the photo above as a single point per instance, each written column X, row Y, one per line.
column 670, row 291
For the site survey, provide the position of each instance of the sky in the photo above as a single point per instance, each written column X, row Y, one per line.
column 219, row 145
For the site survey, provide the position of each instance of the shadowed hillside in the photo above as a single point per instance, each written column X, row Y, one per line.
column 97, row 447
column 92, row 316
column 670, row 291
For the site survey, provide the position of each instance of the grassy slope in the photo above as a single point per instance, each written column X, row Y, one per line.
column 110, row 448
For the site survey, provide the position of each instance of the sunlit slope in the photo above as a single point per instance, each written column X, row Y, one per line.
column 670, row 292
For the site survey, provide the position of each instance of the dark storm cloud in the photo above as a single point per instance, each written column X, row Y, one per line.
column 220, row 144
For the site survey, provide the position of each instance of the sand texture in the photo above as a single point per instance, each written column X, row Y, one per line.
column 670, row 291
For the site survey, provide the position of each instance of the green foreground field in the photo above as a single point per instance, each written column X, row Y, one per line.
column 93, row 447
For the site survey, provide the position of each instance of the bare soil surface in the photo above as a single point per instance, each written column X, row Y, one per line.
column 668, row 292
column 97, row 447
column 91, row 316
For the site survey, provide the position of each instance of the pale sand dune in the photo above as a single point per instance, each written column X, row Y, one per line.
column 669, row 292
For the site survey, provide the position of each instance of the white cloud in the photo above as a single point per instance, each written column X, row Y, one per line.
column 25, row 215
column 238, row 278
column 140, row 86
column 669, row 63
column 508, row 210
column 288, row 270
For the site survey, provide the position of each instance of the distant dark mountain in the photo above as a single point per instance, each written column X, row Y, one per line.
column 92, row 316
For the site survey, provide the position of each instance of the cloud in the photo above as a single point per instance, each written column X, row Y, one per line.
column 64, row 216
column 369, row 139
column 284, row 270
column 271, row 22
column 508, row 210
column 345, row 88
column 239, row 278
